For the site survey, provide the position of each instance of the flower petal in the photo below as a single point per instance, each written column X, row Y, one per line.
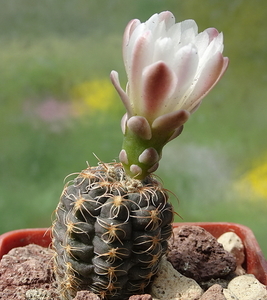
column 189, row 31
column 215, row 45
column 202, row 41
column 114, row 76
column 168, row 18
column 123, row 157
column 185, row 66
column 170, row 121
column 140, row 126
column 159, row 81
column 124, row 122
column 149, row 156
column 163, row 50
column 140, row 58
column 126, row 37
column 210, row 75
column 212, row 32
column 176, row 133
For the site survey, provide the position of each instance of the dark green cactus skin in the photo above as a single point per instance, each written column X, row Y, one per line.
column 110, row 233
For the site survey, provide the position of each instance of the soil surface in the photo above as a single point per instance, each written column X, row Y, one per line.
column 27, row 272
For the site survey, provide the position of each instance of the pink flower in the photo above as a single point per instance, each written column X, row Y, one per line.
column 170, row 68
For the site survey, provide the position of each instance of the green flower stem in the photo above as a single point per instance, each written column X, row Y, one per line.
column 142, row 155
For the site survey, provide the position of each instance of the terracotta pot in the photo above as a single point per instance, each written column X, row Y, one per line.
column 255, row 262
column 24, row 237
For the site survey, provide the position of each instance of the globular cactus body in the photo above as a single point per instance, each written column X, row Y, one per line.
column 110, row 233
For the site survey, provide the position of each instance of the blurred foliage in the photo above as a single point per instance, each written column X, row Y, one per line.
column 254, row 183
column 95, row 95
column 53, row 53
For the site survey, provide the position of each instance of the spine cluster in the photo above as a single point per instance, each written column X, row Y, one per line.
column 110, row 233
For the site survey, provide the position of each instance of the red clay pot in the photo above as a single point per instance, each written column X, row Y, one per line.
column 255, row 262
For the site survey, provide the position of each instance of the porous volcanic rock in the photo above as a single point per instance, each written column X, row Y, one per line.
column 141, row 297
column 26, row 273
column 86, row 295
column 27, row 268
column 195, row 253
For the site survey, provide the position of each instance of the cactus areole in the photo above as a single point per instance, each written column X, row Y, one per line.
column 113, row 220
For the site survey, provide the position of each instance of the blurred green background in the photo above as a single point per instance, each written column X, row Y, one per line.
column 58, row 108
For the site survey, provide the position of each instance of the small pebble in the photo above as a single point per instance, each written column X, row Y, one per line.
column 170, row 284
column 247, row 287
column 86, row 295
column 37, row 294
column 141, row 297
column 229, row 295
column 232, row 243
column 215, row 292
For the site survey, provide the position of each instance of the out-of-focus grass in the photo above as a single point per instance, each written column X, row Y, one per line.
column 51, row 50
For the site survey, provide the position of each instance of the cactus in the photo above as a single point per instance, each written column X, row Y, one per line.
column 114, row 219
column 110, row 232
